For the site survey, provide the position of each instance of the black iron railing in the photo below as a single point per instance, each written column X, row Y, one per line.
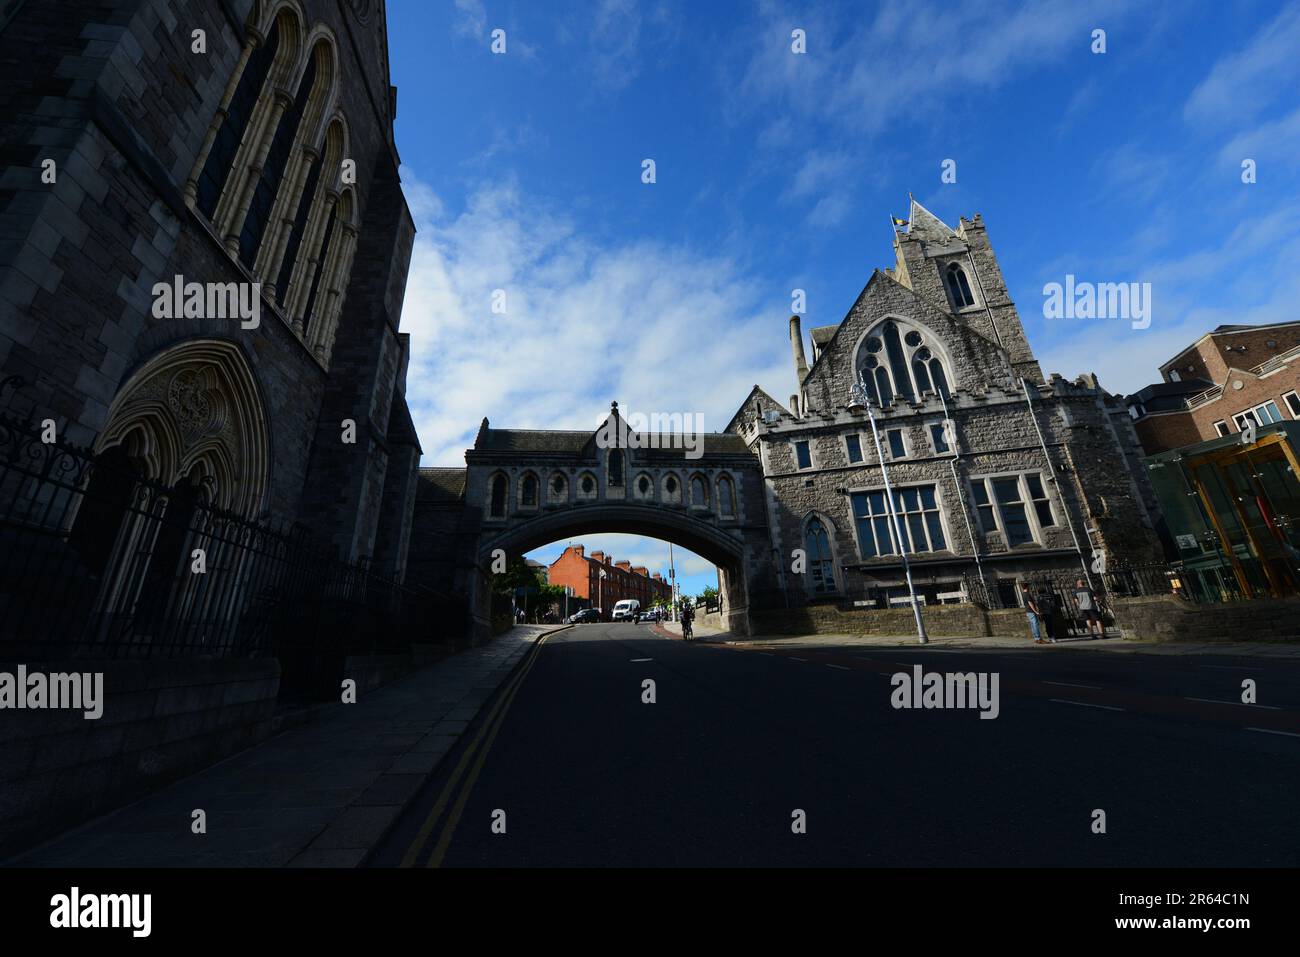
column 98, row 561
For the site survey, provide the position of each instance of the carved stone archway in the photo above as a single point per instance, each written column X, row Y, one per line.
column 195, row 408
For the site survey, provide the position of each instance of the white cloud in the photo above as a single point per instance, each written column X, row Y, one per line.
column 909, row 59
column 1241, row 84
column 659, row 328
column 1248, row 278
column 471, row 18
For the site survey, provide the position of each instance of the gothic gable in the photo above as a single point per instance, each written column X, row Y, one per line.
column 971, row 360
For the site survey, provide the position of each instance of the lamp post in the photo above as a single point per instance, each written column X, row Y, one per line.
column 860, row 401
column 600, row 594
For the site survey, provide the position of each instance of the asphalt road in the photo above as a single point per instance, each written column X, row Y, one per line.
column 568, row 765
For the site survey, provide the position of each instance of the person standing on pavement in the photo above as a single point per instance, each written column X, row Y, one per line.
column 1086, row 601
column 1034, row 613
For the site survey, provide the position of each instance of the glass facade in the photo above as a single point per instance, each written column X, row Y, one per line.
column 1233, row 512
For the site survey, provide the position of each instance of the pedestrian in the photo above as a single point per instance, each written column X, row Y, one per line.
column 1086, row 601
column 1034, row 614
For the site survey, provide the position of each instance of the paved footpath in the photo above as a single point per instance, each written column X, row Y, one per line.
column 316, row 796
column 1112, row 643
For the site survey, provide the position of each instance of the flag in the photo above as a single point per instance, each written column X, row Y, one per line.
column 898, row 222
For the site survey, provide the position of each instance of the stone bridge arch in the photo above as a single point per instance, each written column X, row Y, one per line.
column 526, row 488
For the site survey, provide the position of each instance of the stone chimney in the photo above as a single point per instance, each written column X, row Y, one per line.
column 796, row 345
column 598, row 557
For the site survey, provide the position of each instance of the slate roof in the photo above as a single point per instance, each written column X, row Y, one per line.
column 440, row 485
column 823, row 334
column 541, row 440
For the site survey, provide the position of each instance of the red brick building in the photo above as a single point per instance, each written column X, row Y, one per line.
column 583, row 573
column 1223, row 381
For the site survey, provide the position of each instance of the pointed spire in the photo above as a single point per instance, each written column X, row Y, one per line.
column 923, row 224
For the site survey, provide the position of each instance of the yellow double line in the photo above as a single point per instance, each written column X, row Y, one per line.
column 487, row 733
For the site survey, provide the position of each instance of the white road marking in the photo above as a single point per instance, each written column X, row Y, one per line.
column 1226, row 667
column 643, row 659
column 1270, row 707
column 768, row 653
column 841, row 667
column 1085, row 704
column 802, row 661
column 1289, row 734
column 1066, row 684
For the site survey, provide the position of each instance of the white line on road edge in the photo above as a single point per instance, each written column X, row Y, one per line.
column 1270, row 707
column 642, row 659
column 768, row 653
column 841, row 667
column 1084, row 704
column 1066, row 684
column 802, row 661
column 1289, row 734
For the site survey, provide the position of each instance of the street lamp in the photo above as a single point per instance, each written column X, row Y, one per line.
column 860, row 401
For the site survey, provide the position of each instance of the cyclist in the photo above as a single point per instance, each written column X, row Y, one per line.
column 687, row 616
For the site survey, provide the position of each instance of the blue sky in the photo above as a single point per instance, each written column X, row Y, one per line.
column 778, row 171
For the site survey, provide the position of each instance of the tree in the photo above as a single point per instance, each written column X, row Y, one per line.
column 709, row 596
column 518, row 574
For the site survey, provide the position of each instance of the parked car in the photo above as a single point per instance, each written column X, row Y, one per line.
column 652, row 615
column 587, row 614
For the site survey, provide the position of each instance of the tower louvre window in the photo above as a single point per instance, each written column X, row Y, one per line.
column 959, row 286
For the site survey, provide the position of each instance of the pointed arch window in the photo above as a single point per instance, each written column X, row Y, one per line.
column 221, row 157
column 616, row 467
column 699, row 492
column 309, row 311
column 268, row 183
column 959, row 286
column 528, row 492
column 821, row 564
column 295, row 234
column 498, row 505
column 899, row 362
column 726, row 498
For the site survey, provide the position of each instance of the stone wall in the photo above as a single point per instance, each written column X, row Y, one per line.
column 941, row 621
column 1168, row 618
column 161, row 721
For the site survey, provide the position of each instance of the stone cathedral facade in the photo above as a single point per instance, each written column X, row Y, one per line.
column 999, row 474
column 242, row 149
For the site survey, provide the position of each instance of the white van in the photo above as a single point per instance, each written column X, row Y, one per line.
column 627, row 610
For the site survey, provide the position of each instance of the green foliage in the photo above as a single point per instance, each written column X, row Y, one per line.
column 518, row 574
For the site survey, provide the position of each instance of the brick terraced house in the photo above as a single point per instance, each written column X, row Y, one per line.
column 603, row 582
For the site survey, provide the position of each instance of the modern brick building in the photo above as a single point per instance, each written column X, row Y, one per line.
column 1221, row 437
column 604, row 582
column 998, row 473
column 1226, row 379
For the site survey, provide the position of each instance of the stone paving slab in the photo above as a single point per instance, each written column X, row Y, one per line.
column 1112, row 643
column 318, row 795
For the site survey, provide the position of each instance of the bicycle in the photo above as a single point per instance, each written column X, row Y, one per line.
column 687, row 634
